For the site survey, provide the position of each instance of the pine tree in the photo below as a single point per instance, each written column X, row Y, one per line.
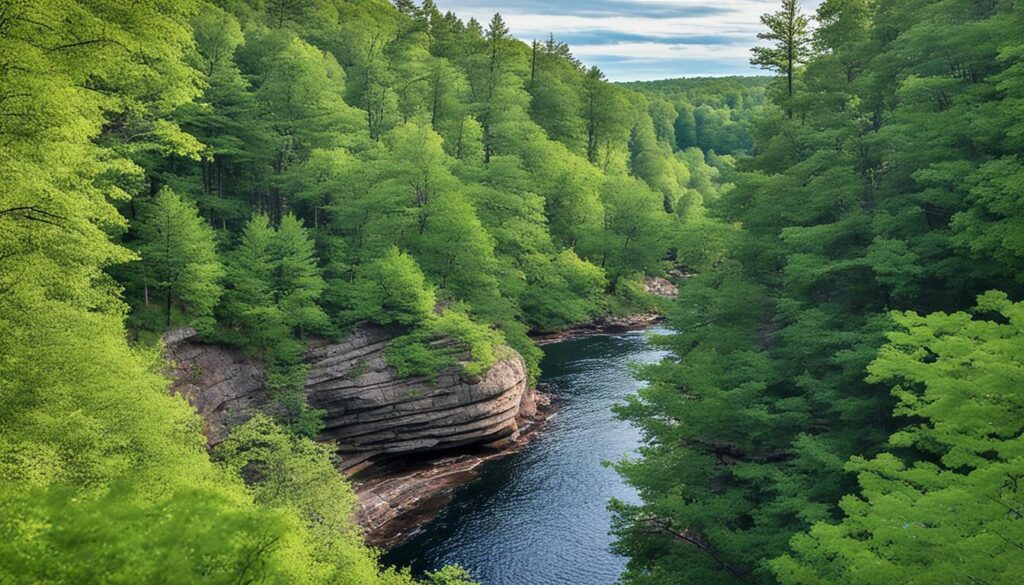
column 179, row 259
column 274, row 284
column 248, row 311
column 788, row 31
column 297, row 282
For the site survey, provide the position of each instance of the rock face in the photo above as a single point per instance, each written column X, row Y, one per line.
column 368, row 407
column 223, row 384
column 403, row 494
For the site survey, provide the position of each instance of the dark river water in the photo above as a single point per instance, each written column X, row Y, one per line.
column 539, row 517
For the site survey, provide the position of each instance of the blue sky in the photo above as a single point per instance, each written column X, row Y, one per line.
column 639, row 39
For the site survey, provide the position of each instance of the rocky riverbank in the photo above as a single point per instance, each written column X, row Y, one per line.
column 406, row 443
column 399, row 496
column 617, row 325
column 601, row 326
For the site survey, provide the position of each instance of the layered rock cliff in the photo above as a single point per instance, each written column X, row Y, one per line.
column 369, row 409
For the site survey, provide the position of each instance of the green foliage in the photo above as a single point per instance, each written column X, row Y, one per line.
column 789, row 30
column 295, row 474
column 443, row 341
column 561, row 292
column 271, row 301
column 248, row 306
column 390, row 289
column 104, row 476
column 882, row 183
column 282, row 153
column 179, row 260
column 273, row 285
column 712, row 114
column 75, row 540
column 943, row 505
column 450, row 575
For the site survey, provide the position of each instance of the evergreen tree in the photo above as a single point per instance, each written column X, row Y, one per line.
column 248, row 309
column 388, row 290
column 944, row 504
column 179, row 262
column 788, row 30
column 296, row 279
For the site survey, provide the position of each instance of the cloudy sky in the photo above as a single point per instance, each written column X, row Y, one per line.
column 638, row 39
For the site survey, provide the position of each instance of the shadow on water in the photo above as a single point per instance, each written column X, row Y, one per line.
column 540, row 516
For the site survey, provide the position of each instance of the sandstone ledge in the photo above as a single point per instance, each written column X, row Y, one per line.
column 369, row 409
column 401, row 495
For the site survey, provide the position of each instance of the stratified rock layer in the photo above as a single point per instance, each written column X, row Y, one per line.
column 222, row 383
column 368, row 407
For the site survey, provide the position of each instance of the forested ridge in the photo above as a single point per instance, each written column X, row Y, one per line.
column 843, row 404
column 267, row 172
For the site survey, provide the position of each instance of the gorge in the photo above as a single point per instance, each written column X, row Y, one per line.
column 409, row 443
column 540, row 515
column 275, row 278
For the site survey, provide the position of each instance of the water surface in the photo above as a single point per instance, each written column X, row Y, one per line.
column 539, row 516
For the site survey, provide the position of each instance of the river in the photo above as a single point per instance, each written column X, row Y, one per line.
column 539, row 516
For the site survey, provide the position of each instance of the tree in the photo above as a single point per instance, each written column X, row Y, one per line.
column 179, row 258
column 295, row 473
column 226, row 119
column 300, row 91
column 603, row 114
column 274, row 284
column 788, row 30
column 248, row 309
column 497, row 36
column 390, row 289
column 945, row 504
column 296, row 279
column 633, row 238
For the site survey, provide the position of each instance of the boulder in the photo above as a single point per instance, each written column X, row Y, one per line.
column 662, row 287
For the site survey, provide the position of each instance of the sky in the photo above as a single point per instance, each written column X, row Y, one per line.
column 638, row 40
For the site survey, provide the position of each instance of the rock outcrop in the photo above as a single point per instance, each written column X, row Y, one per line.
column 399, row 496
column 222, row 383
column 662, row 287
column 369, row 409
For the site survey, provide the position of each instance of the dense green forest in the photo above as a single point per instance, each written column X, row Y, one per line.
column 843, row 404
column 844, row 401
column 265, row 172
column 714, row 114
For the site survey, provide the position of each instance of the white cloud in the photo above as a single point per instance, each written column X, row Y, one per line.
column 656, row 29
column 663, row 51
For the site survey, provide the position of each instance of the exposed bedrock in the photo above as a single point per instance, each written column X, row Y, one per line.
column 368, row 407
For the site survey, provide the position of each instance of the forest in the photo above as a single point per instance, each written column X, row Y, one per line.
column 843, row 399
column 844, row 402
